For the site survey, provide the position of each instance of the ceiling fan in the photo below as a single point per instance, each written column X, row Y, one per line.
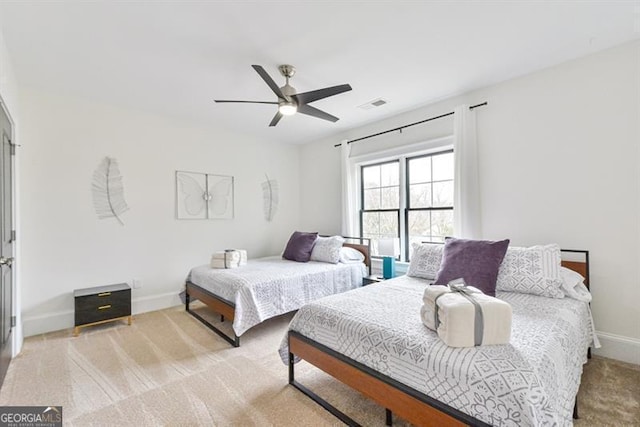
column 289, row 102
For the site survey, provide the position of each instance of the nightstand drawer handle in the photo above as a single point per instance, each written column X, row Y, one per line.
column 104, row 307
column 104, row 294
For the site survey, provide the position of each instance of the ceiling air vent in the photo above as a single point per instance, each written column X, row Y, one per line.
column 373, row 104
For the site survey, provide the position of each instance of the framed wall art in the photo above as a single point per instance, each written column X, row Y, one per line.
column 203, row 196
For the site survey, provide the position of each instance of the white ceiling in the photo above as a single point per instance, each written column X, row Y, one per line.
column 175, row 57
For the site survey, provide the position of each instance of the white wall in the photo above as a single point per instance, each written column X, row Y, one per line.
column 559, row 162
column 8, row 84
column 65, row 246
column 9, row 99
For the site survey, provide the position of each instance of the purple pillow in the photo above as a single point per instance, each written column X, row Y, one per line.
column 299, row 246
column 476, row 261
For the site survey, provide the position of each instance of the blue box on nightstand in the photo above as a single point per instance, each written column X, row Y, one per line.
column 388, row 267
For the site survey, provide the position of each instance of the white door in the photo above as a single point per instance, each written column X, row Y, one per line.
column 6, row 244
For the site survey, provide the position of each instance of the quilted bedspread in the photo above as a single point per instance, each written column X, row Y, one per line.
column 268, row 287
column 532, row 381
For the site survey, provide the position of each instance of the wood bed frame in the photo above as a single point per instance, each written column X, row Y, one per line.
column 409, row 404
column 227, row 308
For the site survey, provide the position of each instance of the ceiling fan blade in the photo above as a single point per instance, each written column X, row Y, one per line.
column 312, row 111
column 314, row 95
column 276, row 119
column 246, row 102
column 269, row 81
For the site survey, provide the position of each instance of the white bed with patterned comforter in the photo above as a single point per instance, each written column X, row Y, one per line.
column 270, row 286
column 532, row 381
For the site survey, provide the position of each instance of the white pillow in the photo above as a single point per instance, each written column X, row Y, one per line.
column 350, row 255
column 534, row 270
column 425, row 260
column 573, row 285
column 327, row 249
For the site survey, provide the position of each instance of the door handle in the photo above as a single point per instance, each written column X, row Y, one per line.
column 6, row 261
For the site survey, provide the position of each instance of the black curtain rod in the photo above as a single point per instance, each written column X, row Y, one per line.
column 409, row 125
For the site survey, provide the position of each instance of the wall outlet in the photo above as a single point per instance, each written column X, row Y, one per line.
column 136, row 283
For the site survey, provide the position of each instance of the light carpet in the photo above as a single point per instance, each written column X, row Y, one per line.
column 169, row 369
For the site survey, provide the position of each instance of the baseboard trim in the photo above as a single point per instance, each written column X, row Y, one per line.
column 50, row 322
column 155, row 302
column 618, row 347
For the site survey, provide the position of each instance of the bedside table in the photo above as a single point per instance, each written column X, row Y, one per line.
column 101, row 304
column 370, row 280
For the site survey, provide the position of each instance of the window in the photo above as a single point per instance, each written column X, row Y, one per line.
column 380, row 202
column 409, row 198
column 429, row 212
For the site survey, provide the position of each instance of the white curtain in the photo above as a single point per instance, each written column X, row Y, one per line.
column 348, row 191
column 466, row 191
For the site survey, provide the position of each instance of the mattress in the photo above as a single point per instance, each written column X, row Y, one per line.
column 268, row 287
column 532, row 381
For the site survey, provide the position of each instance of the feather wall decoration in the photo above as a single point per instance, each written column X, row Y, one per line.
column 108, row 190
column 270, row 198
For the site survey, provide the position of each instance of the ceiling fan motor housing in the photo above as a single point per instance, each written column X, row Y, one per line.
column 288, row 90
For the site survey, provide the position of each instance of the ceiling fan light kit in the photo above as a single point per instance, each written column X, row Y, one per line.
column 289, row 101
column 287, row 109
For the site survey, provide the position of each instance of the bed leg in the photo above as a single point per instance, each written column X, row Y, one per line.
column 186, row 301
column 389, row 417
column 291, row 369
column 235, row 341
column 222, row 317
column 575, row 409
column 320, row 401
column 589, row 353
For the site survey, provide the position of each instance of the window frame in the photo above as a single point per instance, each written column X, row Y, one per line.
column 407, row 200
column 362, row 210
column 427, row 149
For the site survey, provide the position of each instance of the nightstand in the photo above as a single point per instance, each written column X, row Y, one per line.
column 370, row 280
column 101, row 304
